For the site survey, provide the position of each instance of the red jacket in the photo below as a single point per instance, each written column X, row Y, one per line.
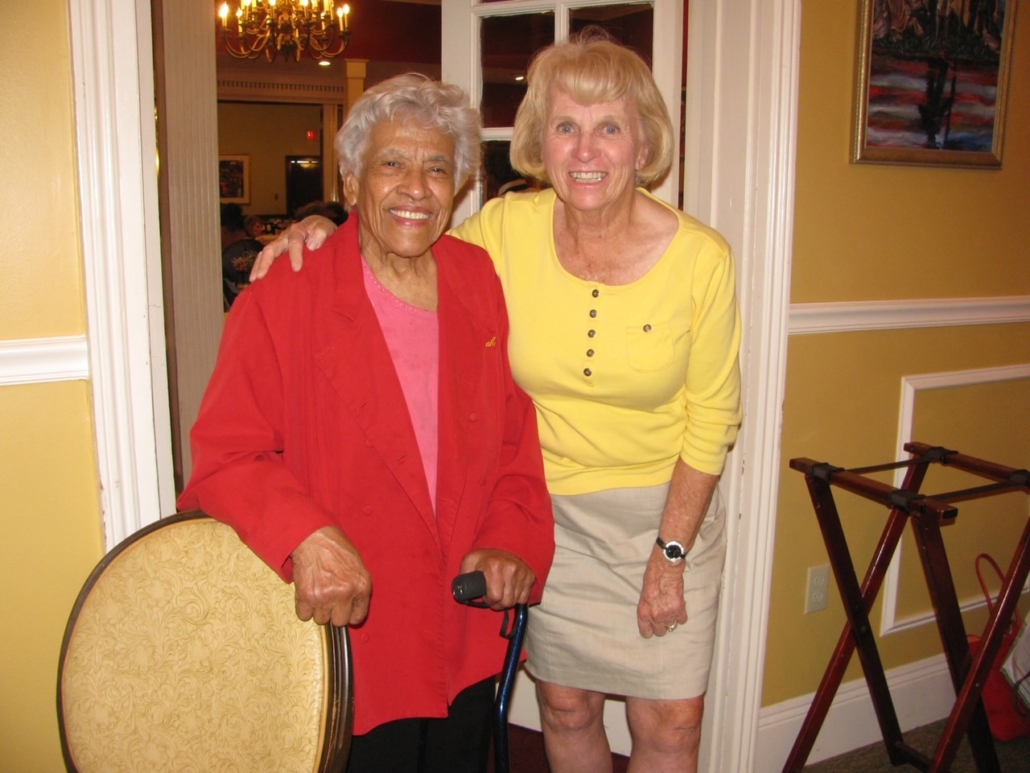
column 304, row 425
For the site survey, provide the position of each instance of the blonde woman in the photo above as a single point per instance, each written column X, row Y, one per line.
column 624, row 331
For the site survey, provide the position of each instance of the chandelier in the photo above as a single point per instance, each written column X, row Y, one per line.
column 286, row 27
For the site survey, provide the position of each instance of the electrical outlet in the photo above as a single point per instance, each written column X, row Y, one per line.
column 817, row 589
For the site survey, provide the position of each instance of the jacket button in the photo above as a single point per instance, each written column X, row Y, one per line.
column 593, row 312
column 473, row 417
column 590, row 352
column 595, row 293
column 587, row 371
column 591, row 333
column 367, row 510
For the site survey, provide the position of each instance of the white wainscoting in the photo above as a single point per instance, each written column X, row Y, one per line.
column 806, row 318
column 41, row 360
column 910, row 387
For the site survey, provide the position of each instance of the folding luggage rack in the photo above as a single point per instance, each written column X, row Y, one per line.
column 928, row 514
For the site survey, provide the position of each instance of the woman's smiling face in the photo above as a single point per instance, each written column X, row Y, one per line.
column 405, row 192
column 592, row 152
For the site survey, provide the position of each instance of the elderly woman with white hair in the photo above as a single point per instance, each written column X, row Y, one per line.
column 363, row 435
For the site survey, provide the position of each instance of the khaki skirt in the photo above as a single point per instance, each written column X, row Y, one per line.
column 584, row 633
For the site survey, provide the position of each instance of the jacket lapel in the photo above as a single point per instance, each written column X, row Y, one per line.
column 352, row 354
column 462, row 340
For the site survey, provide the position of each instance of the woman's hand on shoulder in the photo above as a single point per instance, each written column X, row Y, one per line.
column 311, row 232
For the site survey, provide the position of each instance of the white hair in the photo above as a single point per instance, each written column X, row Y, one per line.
column 432, row 104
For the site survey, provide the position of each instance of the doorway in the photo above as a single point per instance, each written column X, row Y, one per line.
column 741, row 104
column 303, row 182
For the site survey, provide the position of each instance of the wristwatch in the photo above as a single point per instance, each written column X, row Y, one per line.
column 673, row 551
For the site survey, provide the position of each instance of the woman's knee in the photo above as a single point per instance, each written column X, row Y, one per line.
column 568, row 708
column 667, row 726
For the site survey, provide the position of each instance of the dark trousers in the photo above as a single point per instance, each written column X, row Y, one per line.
column 458, row 744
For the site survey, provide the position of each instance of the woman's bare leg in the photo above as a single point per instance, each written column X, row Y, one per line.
column 666, row 734
column 573, row 723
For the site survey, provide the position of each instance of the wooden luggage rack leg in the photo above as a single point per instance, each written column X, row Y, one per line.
column 927, row 514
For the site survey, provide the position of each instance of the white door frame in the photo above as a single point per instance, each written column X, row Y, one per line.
column 116, row 147
column 742, row 83
column 741, row 119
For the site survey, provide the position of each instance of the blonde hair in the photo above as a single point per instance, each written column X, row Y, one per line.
column 591, row 67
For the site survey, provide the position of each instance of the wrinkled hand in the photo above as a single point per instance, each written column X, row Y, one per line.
column 312, row 232
column 661, row 598
column 331, row 583
column 509, row 579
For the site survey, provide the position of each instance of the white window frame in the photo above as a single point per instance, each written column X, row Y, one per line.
column 117, row 177
column 461, row 59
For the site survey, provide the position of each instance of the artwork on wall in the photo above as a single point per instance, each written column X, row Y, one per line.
column 234, row 179
column 932, row 81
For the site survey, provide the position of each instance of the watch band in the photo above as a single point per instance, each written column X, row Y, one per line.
column 672, row 550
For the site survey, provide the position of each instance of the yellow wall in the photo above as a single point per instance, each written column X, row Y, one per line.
column 50, row 526
column 871, row 231
column 268, row 133
column 877, row 232
column 41, row 291
column 861, row 233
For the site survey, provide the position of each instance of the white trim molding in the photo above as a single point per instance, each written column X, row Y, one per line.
column 922, row 693
column 116, row 151
column 43, row 360
column 910, row 387
column 742, row 88
column 806, row 318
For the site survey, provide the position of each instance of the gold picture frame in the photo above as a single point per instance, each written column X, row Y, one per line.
column 234, row 179
column 932, row 81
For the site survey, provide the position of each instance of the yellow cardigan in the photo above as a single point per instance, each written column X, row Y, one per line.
column 626, row 379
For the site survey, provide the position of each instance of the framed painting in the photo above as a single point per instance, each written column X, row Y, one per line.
column 234, row 179
column 932, row 81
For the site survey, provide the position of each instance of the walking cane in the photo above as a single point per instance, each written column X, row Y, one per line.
column 466, row 589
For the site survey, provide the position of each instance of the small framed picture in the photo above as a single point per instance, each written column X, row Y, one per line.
column 234, row 179
column 932, row 81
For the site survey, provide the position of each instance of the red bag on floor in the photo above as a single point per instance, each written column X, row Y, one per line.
column 1004, row 713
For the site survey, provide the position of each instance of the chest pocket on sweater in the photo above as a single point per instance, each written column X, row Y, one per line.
column 649, row 347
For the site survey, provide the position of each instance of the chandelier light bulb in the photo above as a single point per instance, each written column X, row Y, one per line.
column 288, row 28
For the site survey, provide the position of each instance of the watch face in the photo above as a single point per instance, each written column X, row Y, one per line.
column 674, row 551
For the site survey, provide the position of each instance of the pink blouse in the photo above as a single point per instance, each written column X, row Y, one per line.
column 413, row 338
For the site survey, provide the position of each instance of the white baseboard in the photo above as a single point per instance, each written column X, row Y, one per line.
column 921, row 692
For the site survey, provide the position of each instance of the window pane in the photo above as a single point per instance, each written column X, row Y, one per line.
column 631, row 25
column 508, row 43
column 498, row 176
